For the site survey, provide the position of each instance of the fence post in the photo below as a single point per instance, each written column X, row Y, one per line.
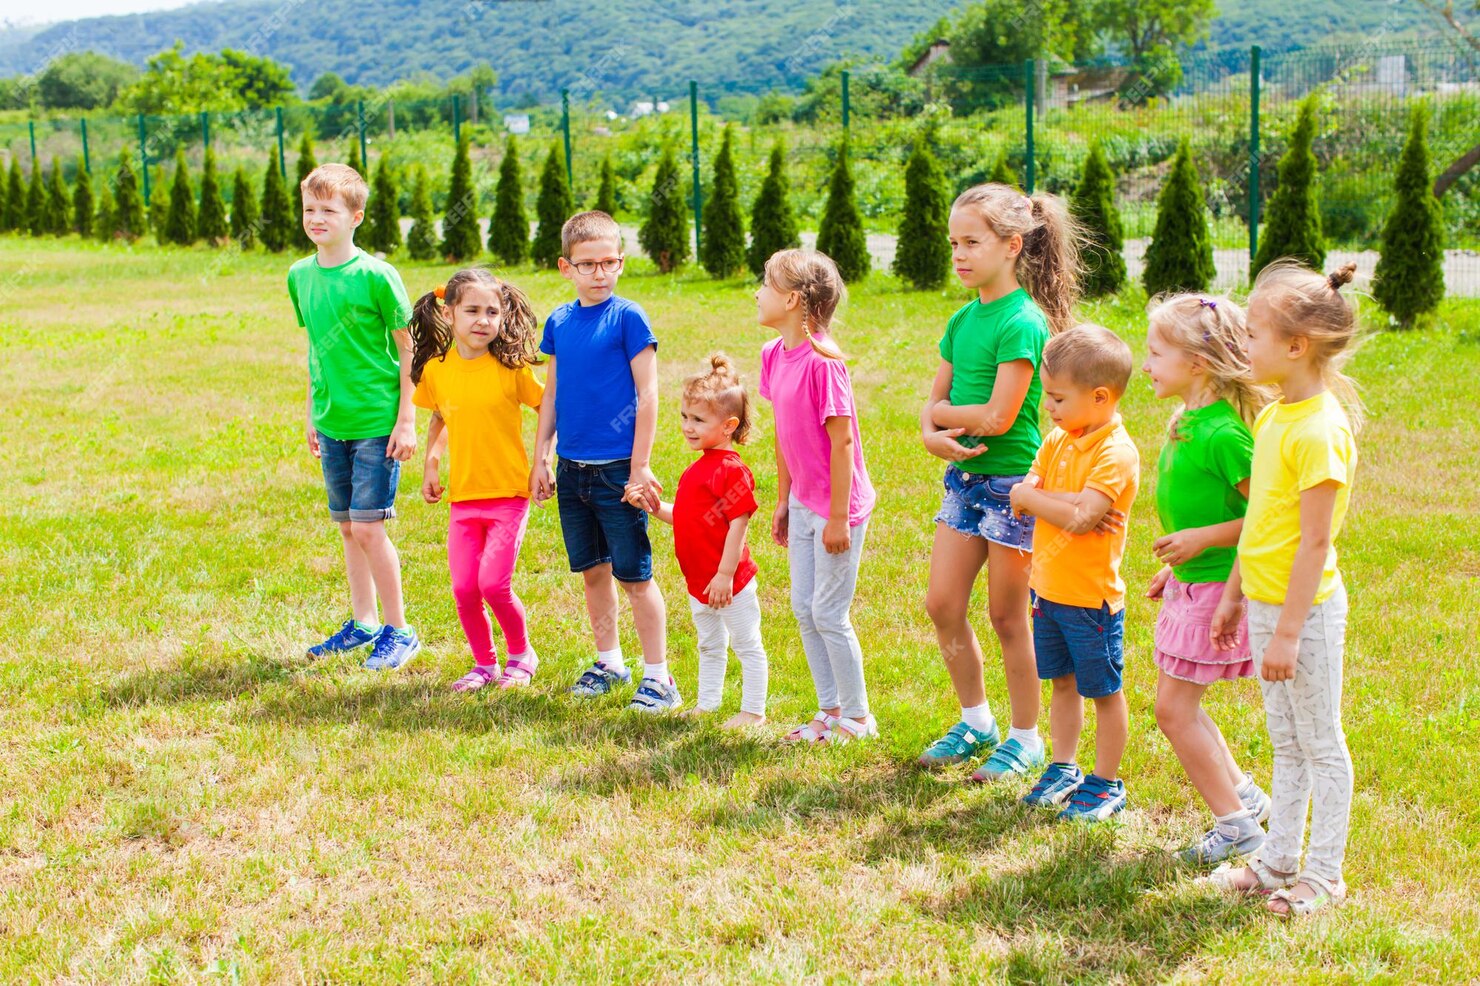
column 364, row 149
column 1254, row 54
column 698, row 189
column 456, row 119
column 570, row 181
column 282, row 157
column 144, row 159
column 846, row 105
column 32, row 125
column 86, row 157
column 1030, row 80
column 205, row 129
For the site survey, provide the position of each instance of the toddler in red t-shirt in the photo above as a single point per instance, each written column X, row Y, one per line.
column 710, row 513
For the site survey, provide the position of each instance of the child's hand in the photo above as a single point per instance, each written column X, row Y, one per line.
column 781, row 525
column 721, row 590
column 313, row 440
column 1114, row 520
column 1178, row 548
column 1279, row 660
column 836, row 537
column 635, row 495
column 1015, row 498
column 943, row 445
column 1223, row 631
column 431, row 484
column 402, row 445
column 541, row 482
column 1159, row 582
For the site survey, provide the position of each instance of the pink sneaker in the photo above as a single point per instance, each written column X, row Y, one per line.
column 478, row 677
column 519, row 671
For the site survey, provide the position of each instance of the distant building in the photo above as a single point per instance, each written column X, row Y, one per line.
column 938, row 50
column 516, row 123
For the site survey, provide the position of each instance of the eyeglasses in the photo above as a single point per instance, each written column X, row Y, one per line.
column 588, row 267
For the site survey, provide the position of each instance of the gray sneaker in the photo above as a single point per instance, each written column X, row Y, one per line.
column 655, row 696
column 1223, row 841
column 1254, row 799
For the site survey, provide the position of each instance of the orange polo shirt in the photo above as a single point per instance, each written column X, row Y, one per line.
column 1084, row 569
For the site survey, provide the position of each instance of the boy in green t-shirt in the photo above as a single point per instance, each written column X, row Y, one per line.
column 361, row 423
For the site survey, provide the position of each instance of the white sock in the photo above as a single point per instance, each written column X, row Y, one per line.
column 1029, row 738
column 1247, row 788
column 1241, row 821
column 611, row 659
column 978, row 717
column 657, row 672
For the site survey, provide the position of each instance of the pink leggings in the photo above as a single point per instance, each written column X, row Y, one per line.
column 482, row 546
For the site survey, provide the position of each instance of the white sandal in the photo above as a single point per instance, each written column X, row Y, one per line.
column 1327, row 894
column 806, row 734
column 1270, row 881
column 847, row 730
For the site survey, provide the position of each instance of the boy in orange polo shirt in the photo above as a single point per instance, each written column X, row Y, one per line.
column 1080, row 489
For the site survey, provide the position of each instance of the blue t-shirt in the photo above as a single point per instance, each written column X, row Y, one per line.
column 595, row 395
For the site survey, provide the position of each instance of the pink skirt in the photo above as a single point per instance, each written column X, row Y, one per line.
column 1184, row 646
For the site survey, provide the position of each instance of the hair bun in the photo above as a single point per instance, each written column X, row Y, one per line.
column 722, row 364
column 1341, row 276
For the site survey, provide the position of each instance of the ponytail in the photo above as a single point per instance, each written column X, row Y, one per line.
column 431, row 333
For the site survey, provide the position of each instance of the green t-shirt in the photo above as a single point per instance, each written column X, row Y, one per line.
column 979, row 338
column 350, row 312
column 1210, row 452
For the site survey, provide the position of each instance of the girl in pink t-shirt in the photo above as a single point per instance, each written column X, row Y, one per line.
column 823, row 492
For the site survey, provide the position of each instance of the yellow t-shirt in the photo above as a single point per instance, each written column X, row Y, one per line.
column 1296, row 447
column 1084, row 569
column 479, row 400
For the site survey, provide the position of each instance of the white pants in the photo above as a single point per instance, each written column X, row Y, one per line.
column 1312, row 768
column 738, row 625
column 822, row 587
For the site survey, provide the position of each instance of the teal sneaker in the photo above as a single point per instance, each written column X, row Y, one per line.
column 1059, row 781
column 958, row 745
column 1010, row 760
column 1096, row 800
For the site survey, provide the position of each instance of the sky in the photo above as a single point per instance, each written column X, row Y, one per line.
column 23, row 12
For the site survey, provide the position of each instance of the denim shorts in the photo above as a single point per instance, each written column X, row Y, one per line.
column 359, row 479
column 599, row 527
column 979, row 506
column 1087, row 643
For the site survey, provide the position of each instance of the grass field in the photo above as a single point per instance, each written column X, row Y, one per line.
column 184, row 798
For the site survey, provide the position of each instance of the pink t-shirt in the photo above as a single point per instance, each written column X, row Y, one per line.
column 805, row 389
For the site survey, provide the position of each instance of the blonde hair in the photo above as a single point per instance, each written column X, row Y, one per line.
column 1310, row 304
column 1048, row 265
column 720, row 387
column 815, row 277
column 1089, row 356
column 329, row 180
column 1212, row 331
column 583, row 227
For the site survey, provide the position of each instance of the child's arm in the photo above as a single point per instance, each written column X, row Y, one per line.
column 1317, row 505
column 1223, row 630
column 645, row 376
column 402, row 445
column 541, row 481
column 634, row 495
column 836, row 537
column 1001, row 410
column 781, row 518
column 722, row 587
column 313, row 433
column 939, row 440
column 1182, row 546
column 431, row 468
column 1076, row 513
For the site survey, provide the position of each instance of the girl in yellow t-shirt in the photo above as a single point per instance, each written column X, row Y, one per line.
column 1301, row 330
column 475, row 344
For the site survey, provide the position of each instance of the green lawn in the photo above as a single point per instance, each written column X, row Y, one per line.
column 184, row 798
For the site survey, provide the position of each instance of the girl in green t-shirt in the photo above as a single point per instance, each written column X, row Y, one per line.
column 1196, row 354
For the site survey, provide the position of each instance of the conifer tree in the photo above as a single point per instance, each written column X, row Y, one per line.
column 773, row 225
column 1180, row 257
column 159, row 205
column 1093, row 204
column 664, row 237
column 508, row 229
column 606, row 193
column 923, row 256
column 211, row 223
column 36, row 223
column 306, row 163
column 354, row 156
column 723, row 244
column 421, row 240
column 58, row 210
column 383, row 215
column 105, row 216
column 13, row 215
column 179, row 224
column 128, row 204
column 553, row 207
column 1002, row 173
column 1409, row 280
column 243, row 211
column 1292, row 225
column 276, row 223
column 840, row 234
column 460, row 239
column 82, row 202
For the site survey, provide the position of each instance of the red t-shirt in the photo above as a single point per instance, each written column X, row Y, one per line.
column 712, row 492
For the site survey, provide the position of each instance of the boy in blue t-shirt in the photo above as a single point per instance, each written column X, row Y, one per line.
column 606, row 415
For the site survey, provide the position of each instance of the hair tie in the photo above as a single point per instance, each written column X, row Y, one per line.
column 1208, row 303
column 1028, row 203
column 441, row 292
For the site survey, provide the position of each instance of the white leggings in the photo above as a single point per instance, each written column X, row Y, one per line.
column 822, row 587
column 1312, row 768
column 738, row 625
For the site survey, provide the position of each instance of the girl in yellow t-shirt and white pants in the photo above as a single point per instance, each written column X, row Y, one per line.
column 475, row 344
column 1300, row 331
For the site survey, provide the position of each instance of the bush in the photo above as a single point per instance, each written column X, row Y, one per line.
column 773, row 225
column 508, row 230
column 210, row 223
column 179, row 223
column 1293, row 226
column 421, row 239
column 383, row 215
column 460, row 239
column 606, row 194
column 1180, row 257
column 723, row 243
column 1093, row 205
column 665, row 235
column 276, row 223
column 1409, row 280
column 244, row 219
column 82, row 203
column 923, row 255
column 840, row 234
column 553, row 207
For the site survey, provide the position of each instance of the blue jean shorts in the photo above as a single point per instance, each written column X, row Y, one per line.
column 599, row 527
column 359, row 479
column 1087, row 643
column 980, row 506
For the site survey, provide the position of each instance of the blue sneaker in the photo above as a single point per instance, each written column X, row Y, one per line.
column 961, row 743
column 352, row 636
column 1096, row 800
column 1010, row 760
column 598, row 679
column 393, row 648
column 1058, row 782
column 655, row 696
